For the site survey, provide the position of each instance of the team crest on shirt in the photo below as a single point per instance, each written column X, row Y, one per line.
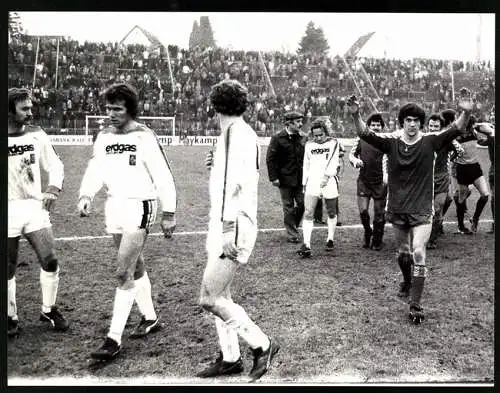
column 132, row 159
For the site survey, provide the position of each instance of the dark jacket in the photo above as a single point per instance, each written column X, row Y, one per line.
column 285, row 158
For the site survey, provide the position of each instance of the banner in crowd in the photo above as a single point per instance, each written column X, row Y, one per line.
column 358, row 45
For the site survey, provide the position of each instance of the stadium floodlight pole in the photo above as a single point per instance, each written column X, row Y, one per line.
column 57, row 60
column 452, row 81
column 355, row 83
column 268, row 79
column 170, row 69
column 36, row 60
column 369, row 81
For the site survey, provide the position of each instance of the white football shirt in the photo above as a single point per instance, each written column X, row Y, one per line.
column 234, row 176
column 132, row 165
column 30, row 151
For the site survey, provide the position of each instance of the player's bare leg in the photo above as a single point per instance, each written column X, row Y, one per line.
column 310, row 202
column 421, row 235
column 378, row 223
column 484, row 193
column 12, row 318
column 364, row 214
column 217, row 278
column 405, row 260
column 331, row 210
column 130, row 245
column 42, row 242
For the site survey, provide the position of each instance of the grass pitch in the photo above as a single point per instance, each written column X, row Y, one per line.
column 336, row 315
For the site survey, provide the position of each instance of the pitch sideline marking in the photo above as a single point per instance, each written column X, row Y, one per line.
column 190, row 233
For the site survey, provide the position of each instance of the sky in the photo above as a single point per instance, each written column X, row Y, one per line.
column 439, row 36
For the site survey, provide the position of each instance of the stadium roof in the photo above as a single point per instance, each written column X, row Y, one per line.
column 154, row 41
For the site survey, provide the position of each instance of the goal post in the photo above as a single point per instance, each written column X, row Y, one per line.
column 162, row 125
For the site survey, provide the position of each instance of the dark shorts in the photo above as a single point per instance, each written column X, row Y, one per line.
column 376, row 191
column 468, row 173
column 408, row 219
column 441, row 182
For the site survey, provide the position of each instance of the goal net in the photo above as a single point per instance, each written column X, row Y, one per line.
column 163, row 126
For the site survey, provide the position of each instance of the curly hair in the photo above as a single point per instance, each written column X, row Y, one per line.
column 319, row 123
column 229, row 98
column 436, row 117
column 15, row 95
column 449, row 116
column 377, row 117
column 413, row 110
column 123, row 92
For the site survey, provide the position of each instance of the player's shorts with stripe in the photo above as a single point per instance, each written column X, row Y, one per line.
column 441, row 183
column 468, row 173
column 245, row 237
column 26, row 216
column 408, row 220
column 129, row 215
column 330, row 191
column 376, row 191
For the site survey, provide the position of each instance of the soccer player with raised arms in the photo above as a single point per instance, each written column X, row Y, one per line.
column 131, row 163
column 30, row 151
column 319, row 179
column 411, row 154
column 232, row 232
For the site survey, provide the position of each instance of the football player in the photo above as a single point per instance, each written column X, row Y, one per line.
column 130, row 162
column 28, row 207
column 436, row 123
column 371, row 183
column 232, row 232
column 320, row 180
column 410, row 187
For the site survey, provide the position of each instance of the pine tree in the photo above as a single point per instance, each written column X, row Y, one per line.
column 314, row 41
column 206, row 35
column 194, row 36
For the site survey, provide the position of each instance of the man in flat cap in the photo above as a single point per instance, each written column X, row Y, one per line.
column 284, row 159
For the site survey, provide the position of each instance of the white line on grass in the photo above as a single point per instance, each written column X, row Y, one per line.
column 190, row 233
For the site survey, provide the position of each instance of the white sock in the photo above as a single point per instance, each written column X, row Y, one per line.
column 124, row 300
column 228, row 341
column 332, row 224
column 143, row 297
column 307, row 227
column 11, row 298
column 245, row 327
column 49, row 281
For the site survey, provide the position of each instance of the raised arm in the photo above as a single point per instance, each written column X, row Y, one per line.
column 380, row 141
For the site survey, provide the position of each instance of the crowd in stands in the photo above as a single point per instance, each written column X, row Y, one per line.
column 68, row 87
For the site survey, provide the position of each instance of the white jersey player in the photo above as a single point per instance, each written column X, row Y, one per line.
column 232, row 233
column 130, row 162
column 320, row 180
column 29, row 152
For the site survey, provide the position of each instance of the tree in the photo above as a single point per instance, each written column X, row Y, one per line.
column 206, row 35
column 194, row 36
column 314, row 41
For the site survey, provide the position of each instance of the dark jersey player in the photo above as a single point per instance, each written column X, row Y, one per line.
column 410, row 187
column 371, row 183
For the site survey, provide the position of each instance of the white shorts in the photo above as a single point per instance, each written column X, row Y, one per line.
column 246, row 235
column 330, row 191
column 26, row 216
column 129, row 215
